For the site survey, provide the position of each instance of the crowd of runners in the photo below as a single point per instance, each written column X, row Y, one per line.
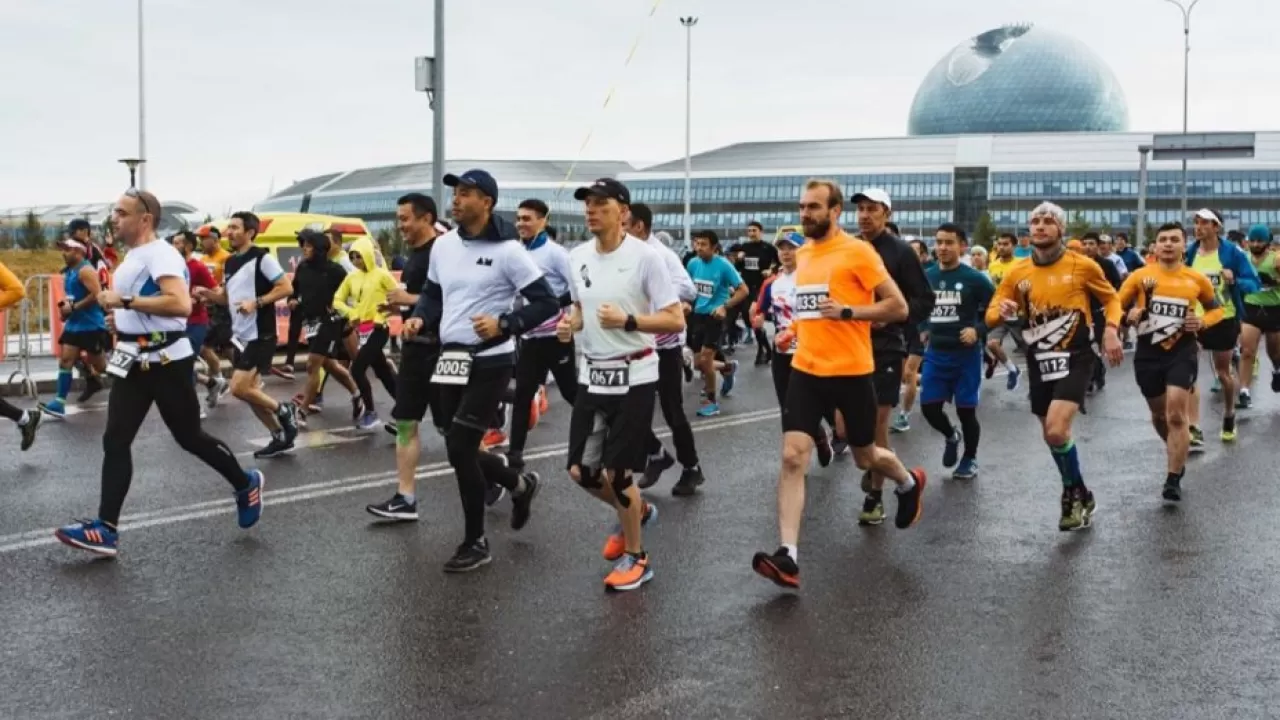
column 856, row 328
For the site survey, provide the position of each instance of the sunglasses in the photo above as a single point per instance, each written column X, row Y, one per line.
column 149, row 201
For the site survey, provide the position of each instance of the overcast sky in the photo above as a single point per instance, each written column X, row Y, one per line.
column 242, row 94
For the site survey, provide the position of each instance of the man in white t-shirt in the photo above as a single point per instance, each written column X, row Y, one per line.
column 622, row 297
column 152, row 364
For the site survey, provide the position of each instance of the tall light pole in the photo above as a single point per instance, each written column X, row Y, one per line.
column 142, row 107
column 429, row 78
column 688, row 23
column 1186, row 82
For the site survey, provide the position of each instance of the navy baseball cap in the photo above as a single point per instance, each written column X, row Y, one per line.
column 478, row 179
column 604, row 188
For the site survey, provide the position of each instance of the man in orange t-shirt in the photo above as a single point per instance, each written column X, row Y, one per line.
column 841, row 289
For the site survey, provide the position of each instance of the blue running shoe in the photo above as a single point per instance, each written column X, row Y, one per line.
column 968, row 470
column 91, row 535
column 1011, row 382
column 249, row 500
column 901, row 423
column 54, row 408
column 952, row 451
column 729, row 373
column 709, row 410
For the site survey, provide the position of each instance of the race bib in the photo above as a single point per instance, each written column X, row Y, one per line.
column 945, row 310
column 364, row 332
column 453, row 367
column 808, row 299
column 751, row 263
column 122, row 359
column 705, row 288
column 1165, row 316
column 1053, row 365
column 310, row 329
column 608, row 377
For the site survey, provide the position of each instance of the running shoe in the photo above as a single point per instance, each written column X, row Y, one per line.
column 92, row 386
column 544, row 404
column 911, row 502
column 284, row 373
column 1197, row 440
column 521, row 504
column 872, row 509
column 968, row 470
column 92, row 535
column 249, row 500
column 357, row 408
column 534, row 414
column 653, row 469
column 687, row 485
column 629, row 573
column 301, row 417
column 54, row 408
column 709, row 410
column 204, row 413
column 317, row 405
column 951, row 452
column 1244, row 401
column 901, row 422
column 277, row 447
column 779, row 568
column 1077, row 509
column 991, row 365
column 1217, row 385
column 493, row 438
column 727, row 377
column 368, row 421
column 288, row 416
column 1228, row 428
column 839, row 446
column 615, row 546
column 28, row 428
column 493, row 494
column 1172, row 489
column 397, row 509
column 825, row 453
column 469, row 556
column 221, row 388
column 1012, row 380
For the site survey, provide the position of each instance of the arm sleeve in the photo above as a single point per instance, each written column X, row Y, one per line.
column 430, row 306
column 657, row 281
column 915, row 287
column 1097, row 284
column 11, row 290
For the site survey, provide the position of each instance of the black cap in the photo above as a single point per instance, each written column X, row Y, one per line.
column 478, row 179
column 78, row 224
column 605, row 188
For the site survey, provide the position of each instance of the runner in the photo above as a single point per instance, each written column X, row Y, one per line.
column 622, row 297
column 416, row 216
column 953, row 361
column 841, row 289
column 720, row 288
column 476, row 271
column 1167, row 360
column 1233, row 277
column 1094, row 248
column 1261, row 314
column 152, row 364
column 888, row 342
column 915, row 355
column 997, row 269
column 84, row 327
column 362, row 300
column 28, row 421
column 1050, row 294
column 198, row 276
column 254, row 282
column 540, row 351
column 754, row 260
column 217, row 342
column 316, row 281
column 670, row 347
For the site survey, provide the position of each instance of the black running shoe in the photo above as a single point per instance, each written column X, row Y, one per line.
column 520, row 504
column 34, row 418
column 469, row 557
column 911, row 502
column 825, row 453
column 653, row 470
column 1172, row 489
column 397, row 508
column 92, row 386
column 288, row 415
column 493, row 493
column 277, row 447
column 688, row 483
column 778, row 567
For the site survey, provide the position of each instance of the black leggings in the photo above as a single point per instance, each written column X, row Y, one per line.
column 939, row 421
column 372, row 356
column 295, row 337
column 538, row 356
column 468, row 409
column 169, row 388
column 671, row 400
column 10, row 411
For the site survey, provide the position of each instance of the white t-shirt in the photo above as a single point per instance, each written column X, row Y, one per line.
column 241, row 282
column 782, row 303
column 634, row 279
column 553, row 260
column 478, row 277
column 138, row 276
column 683, row 285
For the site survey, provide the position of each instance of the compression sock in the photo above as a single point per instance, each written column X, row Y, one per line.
column 1068, row 461
column 64, row 384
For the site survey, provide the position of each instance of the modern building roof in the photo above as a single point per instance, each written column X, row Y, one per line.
column 93, row 212
column 417, row 175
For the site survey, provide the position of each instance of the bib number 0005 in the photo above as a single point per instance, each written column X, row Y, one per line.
column 453, row 367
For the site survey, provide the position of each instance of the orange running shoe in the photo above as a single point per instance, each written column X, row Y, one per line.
column 535, row 414
column 630, row 572
column 615, row 546
column 492, row 439
column 543, row 403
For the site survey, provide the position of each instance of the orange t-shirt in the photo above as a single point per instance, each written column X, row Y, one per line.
column 848, row 271
column 215, row 262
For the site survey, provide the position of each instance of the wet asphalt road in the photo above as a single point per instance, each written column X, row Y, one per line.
column 984, row 610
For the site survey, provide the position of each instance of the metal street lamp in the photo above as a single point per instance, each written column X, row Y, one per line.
column 142, row 107
column 1186, row 81
column 429, row 75
column 688, row 23
column 133, row 164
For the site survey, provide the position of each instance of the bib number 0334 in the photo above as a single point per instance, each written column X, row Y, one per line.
column 453, row 367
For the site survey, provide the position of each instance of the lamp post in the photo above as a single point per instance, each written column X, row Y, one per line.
column 142, row 110
column 1186, row 81
column 430, row 80
column 688, row 23
column 133, row 164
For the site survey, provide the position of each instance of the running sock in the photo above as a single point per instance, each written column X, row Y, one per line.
column 410, row 498
column 64, row 383
column 24, row 418
column 793, row 551
column 1008, row 364
column 907, row 486
column 1068, row 461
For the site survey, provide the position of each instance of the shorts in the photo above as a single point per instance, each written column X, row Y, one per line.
column 810, row 398
column 414, row 392
column 329, row 340
column 1006, row 330
column 219, row 337
column 610, row 432
column 914, row 345
column 1070, row 387
column 257, row 356
column 196, row 335
column 471, row 405
column 1155, row 374
column 94, row 342
column 888, row 378
column 951, row 376
column 704, row 331
column 1264, row 317
column 1221, row 337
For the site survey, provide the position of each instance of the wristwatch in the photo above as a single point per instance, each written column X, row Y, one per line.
column 126, row 301
column 846, row 313
column 630, row 325
column 504, row 325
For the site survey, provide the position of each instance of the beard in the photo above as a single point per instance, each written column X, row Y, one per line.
column 815, row 229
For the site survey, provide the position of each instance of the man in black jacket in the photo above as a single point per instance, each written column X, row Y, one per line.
column 314, row 283
column 888, row 343
column 1092, row 242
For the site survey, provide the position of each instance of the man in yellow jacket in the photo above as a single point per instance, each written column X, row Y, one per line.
column 11, row 293
column 358, row 299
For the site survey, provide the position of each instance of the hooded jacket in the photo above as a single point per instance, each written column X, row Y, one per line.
column 316, row 281
column 362, row 291
column 1235, row 260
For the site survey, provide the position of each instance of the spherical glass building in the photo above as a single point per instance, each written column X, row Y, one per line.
column 1019, row 78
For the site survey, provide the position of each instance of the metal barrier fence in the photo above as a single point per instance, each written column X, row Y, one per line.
column 38, row 324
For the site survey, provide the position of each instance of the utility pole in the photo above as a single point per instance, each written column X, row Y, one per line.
column 688, row 23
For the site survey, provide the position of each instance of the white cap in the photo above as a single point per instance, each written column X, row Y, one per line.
column 67, row 242
column 875, row 195
column 1207, row 214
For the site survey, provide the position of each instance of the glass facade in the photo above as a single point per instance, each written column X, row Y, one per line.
column 1019, row 78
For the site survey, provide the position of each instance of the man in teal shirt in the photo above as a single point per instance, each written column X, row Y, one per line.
column 952, row 370
column 1023, row 250
column 719, row 287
